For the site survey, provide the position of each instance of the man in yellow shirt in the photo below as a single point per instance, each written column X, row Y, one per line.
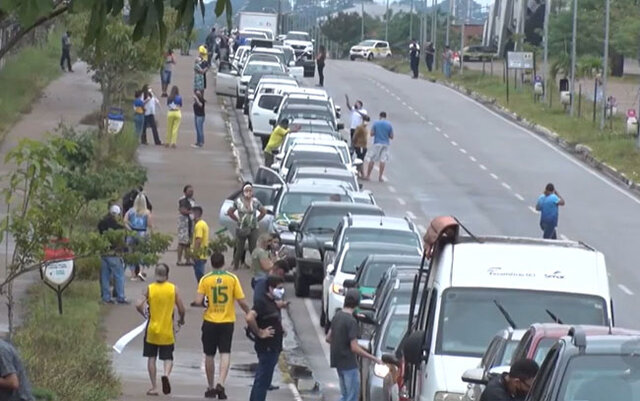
column 223, row 290
column 200, row 246
column 161, row 297
column 276, row 138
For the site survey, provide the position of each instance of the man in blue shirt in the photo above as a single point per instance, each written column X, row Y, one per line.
column 382, row 133
column 547, row 205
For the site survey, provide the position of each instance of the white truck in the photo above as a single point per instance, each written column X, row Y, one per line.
column 259, row 21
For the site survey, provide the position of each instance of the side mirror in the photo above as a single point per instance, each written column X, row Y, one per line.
column 338, row 109
column 328, row 246
column 350, row 283
column 413, row 347
column 364, row 344
column 474, row 376
column 272, row 121
column 294, row 226
column 279, row 156
column 340, row 126
column 287, row 238
column 366, row 304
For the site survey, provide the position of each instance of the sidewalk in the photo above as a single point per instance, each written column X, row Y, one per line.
column 66, row 100
column 211, row 171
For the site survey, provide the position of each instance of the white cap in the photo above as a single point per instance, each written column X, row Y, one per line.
column 114, row 209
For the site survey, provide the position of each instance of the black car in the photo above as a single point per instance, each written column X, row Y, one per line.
column 318, row 226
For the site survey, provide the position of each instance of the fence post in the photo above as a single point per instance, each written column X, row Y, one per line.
column 579, row 99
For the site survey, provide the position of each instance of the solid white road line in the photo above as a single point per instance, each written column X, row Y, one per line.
column 625, row 289
column 402, row 201
column 315, row 322
column 519, row 197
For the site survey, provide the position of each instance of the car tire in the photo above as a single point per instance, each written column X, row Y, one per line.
column 352, row 58
column 323, row 316
column 250, row 126
column 245, row 110
column 466, row 58
column 370, row 56
column 300, row 285
column 389, row 55
column 239, row 102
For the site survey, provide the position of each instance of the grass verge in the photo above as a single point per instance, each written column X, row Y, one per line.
column 611, row 145
column 66, row 353
column 23, row 78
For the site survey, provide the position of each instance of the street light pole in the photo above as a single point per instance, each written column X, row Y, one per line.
column 362, row 22
column 547, row 11
column 605, row 62
column 446, row 40
column 386, row 23
column 573, row 57
column 411, row 22
column 461, row 42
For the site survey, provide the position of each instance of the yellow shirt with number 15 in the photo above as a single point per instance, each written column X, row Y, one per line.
column 222, row 290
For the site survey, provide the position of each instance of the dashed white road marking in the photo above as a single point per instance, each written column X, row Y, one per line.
column 422, row 118
column 625, row 289
column 482, row 167
column 411, row 215
column 520, row 197
column 533, row 210
column 495, row 177
column 392, row 189
column 410, row 108
column 404, row 103
column 464, row 152
column 422, row 228
column 402, row 201
column 430, row 123
column 473, row 159
column 507, row 186
column 446, row 135
column 438, row 129
column 416, row 113
column 454, row 143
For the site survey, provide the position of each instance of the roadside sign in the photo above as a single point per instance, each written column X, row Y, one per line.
column 58, row 273
column 520, row 60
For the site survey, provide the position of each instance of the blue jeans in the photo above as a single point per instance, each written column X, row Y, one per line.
column 446, row 68
column 198, row 268
column 138, row 120
column 199, row 130
column 267, row 362
column 112, row 266
column 349, row 384
column 165, row 77
column 548, row 230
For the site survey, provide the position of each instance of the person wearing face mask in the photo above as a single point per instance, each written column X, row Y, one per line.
column 265, row 321
column 512, row 386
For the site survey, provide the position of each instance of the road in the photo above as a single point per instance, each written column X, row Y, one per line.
column 453, row 156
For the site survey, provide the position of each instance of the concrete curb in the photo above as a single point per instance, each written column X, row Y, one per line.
column 580, row 151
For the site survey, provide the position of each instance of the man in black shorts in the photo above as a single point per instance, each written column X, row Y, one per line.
column 223, row 290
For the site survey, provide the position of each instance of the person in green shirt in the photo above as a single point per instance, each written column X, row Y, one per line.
column 261, row 262
column 276, row 138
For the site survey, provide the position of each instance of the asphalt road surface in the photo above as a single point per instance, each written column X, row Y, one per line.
column 452, row 156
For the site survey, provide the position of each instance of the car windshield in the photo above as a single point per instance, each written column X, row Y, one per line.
column 373, row 273
column 367, row 43
column 543, row 347
column 602, row 377
column 486, row 310
column 315, row 113
column 354, row 257
column 343, row 179
column 384, row 236
column 395, row 331
column 253, row 68
column 508, row 353
column 297, row 203
column 323, row 222
column 298, row 36
column 269, row 102
column 315, row 156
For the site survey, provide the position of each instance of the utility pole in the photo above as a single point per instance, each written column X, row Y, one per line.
column 434, row 30
column 362, row 22
column 411, row 22
column 573, row 57
column 279, row 22
column 446, row 40
column 605, row 62
column 547, row 11
column 386, row 23
column 462, row 24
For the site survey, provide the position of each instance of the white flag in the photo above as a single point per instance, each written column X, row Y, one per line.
column 126, row 339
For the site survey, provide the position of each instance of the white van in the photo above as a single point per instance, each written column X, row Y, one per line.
column 479, row 285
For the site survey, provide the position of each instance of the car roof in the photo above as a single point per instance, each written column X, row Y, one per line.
column 528, row 264
column 331, row 171
column 610, row 343
column 261, row 62
column 322, row 181
column 307, row 187
column 303, row 147
column 348, row 207
column 378, row 245
column 266, row 50
column 309, row 91
column 557, row 330
column 399, row 260
column 325, row 140
column 278, row 77
column 381, row 223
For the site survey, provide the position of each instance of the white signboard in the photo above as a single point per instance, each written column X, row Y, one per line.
column 520, row 60
column 58, row 273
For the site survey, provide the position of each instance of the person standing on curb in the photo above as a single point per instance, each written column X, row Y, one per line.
column 447, row 61
column 223, row 290
column 430, row 53
column 414, row 57
column 185, row 225
column 174, row 117
column 320, row 59
column 150, row 103
column 343, row 337
column 200, row 246
column 159, row 338
column 357, row 111
column 66, row 51
column 138, row 113
column 198, row 112
column 548, row 205
column 249, row 213
column 382, row 133
column 14, row 383
column 265, row 321
column 165, row 74
column 111, row 264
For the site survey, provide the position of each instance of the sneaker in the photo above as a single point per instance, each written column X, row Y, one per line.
column 124, row 301
column 272, row 387
column 210, row 393
column 109, row 302
column 142, row 276
column 221, row 394
column 166, row 386
column 195, row 146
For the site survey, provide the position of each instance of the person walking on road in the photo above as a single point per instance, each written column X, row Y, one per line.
column 200, row 245
column 66, row 51
column 357, row 111
column 320, row 59
column 185, row 225
column 414, row 57
column 174, row 117
column 343, row 337
column 150, row 104
column 111, row 264
column 430, row 53
column 548, row 204
column 200, row 69
column 165, row 74
column 247, row 211
column 15, row 385
column 198, row 112
column 138, row 113
column 512, row 386
column 261, row 263
column 276, row 138
column 223, row 290
column 138, row 220
column 265, row 321
column 447, row 61
column 162, row 298
column 360, row 140
column 382, row 133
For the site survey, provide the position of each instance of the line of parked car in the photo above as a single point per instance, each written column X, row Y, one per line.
column 445, row 309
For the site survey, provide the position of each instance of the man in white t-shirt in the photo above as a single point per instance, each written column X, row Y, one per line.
column 357, row 112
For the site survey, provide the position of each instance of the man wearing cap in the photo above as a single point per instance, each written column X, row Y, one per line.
column 200, row 69
column 111, row 263
column 276, row 138
column 162, row 298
